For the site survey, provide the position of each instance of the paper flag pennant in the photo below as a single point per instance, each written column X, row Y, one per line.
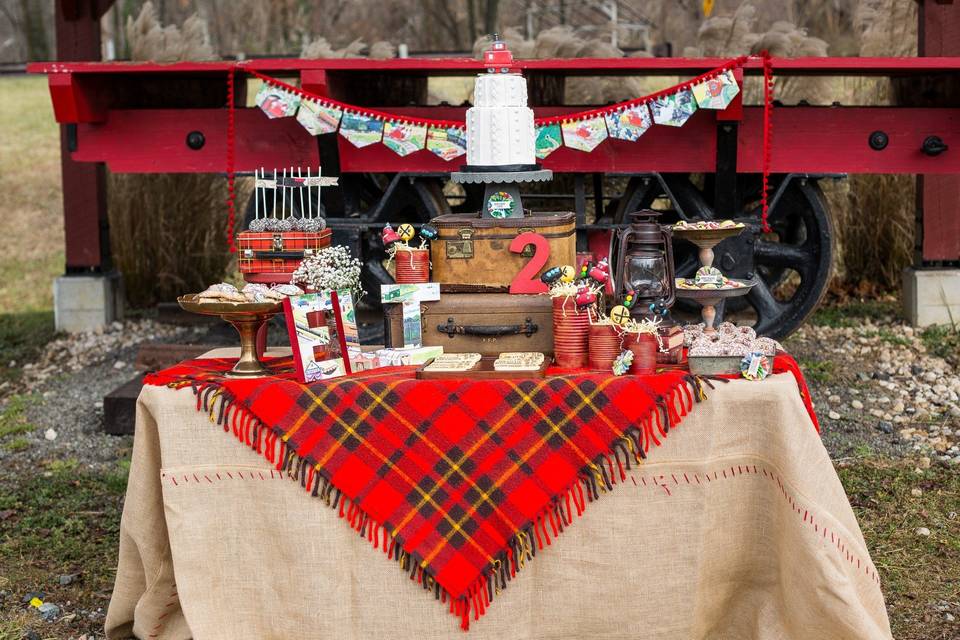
column 448, row 143
column 584, row 135
column 275, row 102
column 404, row 138
column 675, row 109
column 628, row 124
column 549, row 139
column 717, row 92
column 318, row 119
column 361, row 131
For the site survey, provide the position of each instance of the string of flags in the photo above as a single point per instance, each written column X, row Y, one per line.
column 446, row 139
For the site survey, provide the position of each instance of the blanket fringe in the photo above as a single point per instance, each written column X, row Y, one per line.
column 596, row 478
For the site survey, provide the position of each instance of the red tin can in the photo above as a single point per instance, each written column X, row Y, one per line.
column 604, row 345
column 644, row 348
column 413, row 267
column 571, row 328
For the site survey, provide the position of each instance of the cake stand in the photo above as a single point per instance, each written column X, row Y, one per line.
column 501, row 186
column 706, row 240
column 247, row 318
column 710, row 298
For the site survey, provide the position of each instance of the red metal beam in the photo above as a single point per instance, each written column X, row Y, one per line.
column 938, row 196
column 567, row 66
column 806, row 140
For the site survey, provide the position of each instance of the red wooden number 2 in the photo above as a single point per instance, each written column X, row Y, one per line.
column 526, row 281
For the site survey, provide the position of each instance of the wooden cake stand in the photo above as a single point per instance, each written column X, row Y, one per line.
column 247, row 318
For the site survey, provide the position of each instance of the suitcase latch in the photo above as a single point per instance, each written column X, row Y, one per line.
column 528, row 250
column 462, row 248
column 277, row 242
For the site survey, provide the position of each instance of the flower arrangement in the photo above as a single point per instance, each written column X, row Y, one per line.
column 330, row 268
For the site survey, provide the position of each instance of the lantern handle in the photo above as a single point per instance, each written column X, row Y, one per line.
column 670, row 267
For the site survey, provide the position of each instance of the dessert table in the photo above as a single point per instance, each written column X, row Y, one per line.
column 736, row 526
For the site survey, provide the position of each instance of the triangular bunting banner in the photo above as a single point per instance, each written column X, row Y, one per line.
column 361, row 131
column 404, row 138
column 549, row 139
column 276, row 102
column 584, row 135
column 674, row 109
column 447, row 143
column 318, row 119
column 628, row 124
column 717, row 92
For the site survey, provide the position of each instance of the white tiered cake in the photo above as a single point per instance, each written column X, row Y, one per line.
column 500, row 128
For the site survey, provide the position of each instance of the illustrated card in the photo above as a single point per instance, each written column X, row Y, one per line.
column 404, row 138
column 276, row 102
column 549, row 139
column 447, row 143
column 361, row 131
column 323, row 333
column 630, row 123
column 318, row 119
column 675, row 109
column 717, row 92
column 584, row 135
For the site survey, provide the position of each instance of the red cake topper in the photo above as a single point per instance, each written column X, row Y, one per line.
column 498, row 56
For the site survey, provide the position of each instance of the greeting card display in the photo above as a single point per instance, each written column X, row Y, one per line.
column 323, row 333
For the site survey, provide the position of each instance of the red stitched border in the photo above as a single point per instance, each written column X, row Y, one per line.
column 726, row 473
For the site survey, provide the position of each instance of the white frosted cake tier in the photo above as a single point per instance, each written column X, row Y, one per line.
column 500, row 90
column 500, row 136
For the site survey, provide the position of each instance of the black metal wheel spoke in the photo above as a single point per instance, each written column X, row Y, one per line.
column 781, row 254
column 768, row 308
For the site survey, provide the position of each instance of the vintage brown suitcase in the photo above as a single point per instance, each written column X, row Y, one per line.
column 473, row 253
column 485, row 323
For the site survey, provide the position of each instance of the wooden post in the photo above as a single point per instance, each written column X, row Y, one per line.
column 938, row 196
column 84, row 184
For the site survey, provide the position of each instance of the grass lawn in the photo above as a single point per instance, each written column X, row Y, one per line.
column 32, row 225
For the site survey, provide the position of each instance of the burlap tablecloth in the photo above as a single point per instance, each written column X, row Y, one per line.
column 736, row 527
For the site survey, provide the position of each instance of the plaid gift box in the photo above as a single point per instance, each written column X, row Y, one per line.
column 270, row 257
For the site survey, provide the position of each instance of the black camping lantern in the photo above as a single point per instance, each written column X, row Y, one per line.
column 644, row 266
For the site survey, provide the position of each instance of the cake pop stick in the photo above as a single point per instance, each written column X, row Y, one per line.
column 274, row 192
column 309, row 198
column 300, row 189
column 283, row 196
column 256, row 195
column 263, row 192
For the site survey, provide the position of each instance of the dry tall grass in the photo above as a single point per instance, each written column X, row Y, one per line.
column 168, row 231
column 875, row 214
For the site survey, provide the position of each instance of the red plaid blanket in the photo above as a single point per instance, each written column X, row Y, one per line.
column 462, row 482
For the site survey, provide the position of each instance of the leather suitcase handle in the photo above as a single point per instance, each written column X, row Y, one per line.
column 528, row 328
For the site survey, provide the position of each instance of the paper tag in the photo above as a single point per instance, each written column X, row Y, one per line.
column 754, row 364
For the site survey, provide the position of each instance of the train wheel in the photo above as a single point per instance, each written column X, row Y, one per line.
column 792, row 264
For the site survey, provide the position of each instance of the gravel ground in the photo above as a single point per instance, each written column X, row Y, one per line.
column 878, row 389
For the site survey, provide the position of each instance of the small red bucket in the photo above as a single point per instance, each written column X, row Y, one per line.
column 644, row 348
column 413, row 267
